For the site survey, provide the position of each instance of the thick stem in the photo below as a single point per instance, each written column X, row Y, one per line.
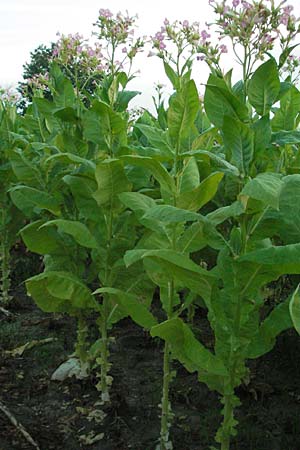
column 105, row 315
column 82, row 332
column 5, row 262
column 228, row 416
column 104, row 357
column 165, row 405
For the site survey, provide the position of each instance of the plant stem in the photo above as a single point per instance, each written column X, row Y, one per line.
column 82, row 332
column 104, row 356
column 165, row 405
column 5, row 261
column 105, row 315
column 228, row 416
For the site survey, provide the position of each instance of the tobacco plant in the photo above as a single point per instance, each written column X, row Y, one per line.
column 10, row 218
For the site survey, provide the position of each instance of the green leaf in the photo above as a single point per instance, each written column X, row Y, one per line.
column 277, row 321
column 31, row 200
column 198, row 197
column 104, row 126
column 219, row 162
column 77, row 230
column 169, row 214
column 158, row 171
column 239, row 142
column 70, row 158
column 60, row 292
column 187, row 349
column 295, row 309
column 189, row 178
column 264, row 87
column 219, row 102
column 221, row 214
column 131, row 305
column 182, row 112
column 286, row 137
column 176, row 266
column 171, row 74
column 42, row 241
column 283, row 259
column 289, row 207
column 111, row 180
column 266, row 187
column 156, row 137
column 136, row 201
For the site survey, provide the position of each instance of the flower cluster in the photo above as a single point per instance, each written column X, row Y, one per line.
column 39, row 82
column 74, row 51
column 189, row 41
column 255, row 26
column 9, row 96
column 184, row 35
column 116, row 34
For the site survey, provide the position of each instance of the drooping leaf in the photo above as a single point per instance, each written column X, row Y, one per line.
column 31, row 200
column 187, row 349
column 77, row 230
column 131, row 305
column 60, row 292
column 266, row 187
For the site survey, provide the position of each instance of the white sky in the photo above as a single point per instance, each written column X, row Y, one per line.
column 25, row 24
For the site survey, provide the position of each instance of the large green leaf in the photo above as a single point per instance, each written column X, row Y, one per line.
column 77, row 230
column 220, row 101
column 282, row 259
column 31, row 200
column 60, row 292
column 176, row 266
column 182, row 112
column 239, row 142
column 156, row 137
column 42, row 241
column 111, row 180
column 266, row 187
column 286, row 137
column 189, row 178
column 198, row 197
column 264, row 87
column 289, row 207
column 131, row 305
column 170, row 214
column 104, row 126
column 277, row 321
column 158, row 171
column 187, row 349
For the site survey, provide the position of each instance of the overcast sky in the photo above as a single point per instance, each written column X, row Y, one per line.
column 25, row 24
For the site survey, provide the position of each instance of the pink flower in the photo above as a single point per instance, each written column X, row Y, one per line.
column 246, row 5
column 106, row 13
column 159, row 36
column 235, row 3
column 223, row 49
column 185, row 23
column 124, row 50
column 284, row 19
column 166, row 22
column 205, row 35
column 162, row 45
